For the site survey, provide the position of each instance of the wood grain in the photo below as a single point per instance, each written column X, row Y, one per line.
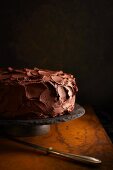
column 84, row 136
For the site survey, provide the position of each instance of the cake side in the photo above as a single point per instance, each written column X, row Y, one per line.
column 35, row 93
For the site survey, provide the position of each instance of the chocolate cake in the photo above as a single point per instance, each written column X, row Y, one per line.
column 35, row 93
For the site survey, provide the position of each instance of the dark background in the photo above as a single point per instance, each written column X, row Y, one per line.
column 75, row 36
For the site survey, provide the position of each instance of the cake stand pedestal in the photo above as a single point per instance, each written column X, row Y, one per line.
column 24, row 128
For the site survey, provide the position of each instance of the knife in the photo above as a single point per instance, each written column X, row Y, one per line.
column 50, row 150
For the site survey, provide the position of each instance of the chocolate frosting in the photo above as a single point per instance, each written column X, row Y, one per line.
column 35, row 93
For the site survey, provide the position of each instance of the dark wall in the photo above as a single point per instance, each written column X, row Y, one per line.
column 75, row 36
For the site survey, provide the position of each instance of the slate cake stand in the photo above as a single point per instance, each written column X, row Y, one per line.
column 36, row 127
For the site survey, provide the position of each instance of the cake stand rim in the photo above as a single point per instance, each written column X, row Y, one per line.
column 76, row 113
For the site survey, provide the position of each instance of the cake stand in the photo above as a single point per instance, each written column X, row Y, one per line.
column 36, row 127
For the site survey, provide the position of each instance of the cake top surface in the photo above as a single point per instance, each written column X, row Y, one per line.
column 25, row 76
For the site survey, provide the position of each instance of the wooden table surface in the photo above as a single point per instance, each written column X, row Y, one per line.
column 84, row 136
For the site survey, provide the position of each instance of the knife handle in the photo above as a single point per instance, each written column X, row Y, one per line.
column 74, row 157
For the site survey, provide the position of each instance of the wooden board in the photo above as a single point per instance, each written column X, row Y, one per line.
column 84, row 136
